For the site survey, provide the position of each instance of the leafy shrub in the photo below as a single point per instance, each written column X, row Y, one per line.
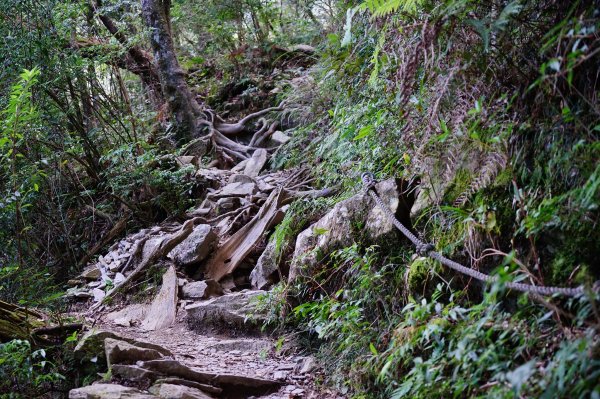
column 24, row 372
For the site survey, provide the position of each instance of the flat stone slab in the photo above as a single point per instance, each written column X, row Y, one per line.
column 164, row 306
column 108, row 391
column 171, row 391
column 229, row 383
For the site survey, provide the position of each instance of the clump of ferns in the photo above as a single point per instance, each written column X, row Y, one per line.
column 493, row 164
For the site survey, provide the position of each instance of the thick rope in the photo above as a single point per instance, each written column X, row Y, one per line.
column 425, row 249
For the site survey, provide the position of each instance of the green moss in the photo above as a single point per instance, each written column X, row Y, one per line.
column 461, row 182
column 419, row 273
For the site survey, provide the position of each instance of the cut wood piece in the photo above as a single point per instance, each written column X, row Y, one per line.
column 256, row 163
column 229, row 256
column 164, row 307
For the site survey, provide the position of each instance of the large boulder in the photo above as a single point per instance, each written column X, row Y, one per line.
column 202, row 290
column 227, row 313
column 108, row 391
column 91, row 345
column 265, row 272
column 195, row 247
column 357, row 218
column 121, row 352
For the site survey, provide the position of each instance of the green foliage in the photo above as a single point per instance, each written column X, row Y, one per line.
column 24, row 372
column 442, row 349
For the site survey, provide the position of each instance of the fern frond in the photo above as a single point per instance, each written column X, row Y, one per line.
column 494, row 163
column 382, row 8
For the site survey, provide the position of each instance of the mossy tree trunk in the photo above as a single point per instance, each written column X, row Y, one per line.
column 182, row 104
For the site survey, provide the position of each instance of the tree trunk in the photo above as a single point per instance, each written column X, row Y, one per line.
column 136, row 61
column 182, row 104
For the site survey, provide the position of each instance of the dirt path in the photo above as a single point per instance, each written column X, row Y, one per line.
column 254, row 356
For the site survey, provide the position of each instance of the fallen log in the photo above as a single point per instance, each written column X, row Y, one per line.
column 17, row 322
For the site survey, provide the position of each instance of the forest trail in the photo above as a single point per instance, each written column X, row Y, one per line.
column 272, row 369
column 215, row 265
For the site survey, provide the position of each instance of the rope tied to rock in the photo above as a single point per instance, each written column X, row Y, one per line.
column 428, row 249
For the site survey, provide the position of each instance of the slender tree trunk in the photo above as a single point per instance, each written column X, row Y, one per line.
column 185, row 110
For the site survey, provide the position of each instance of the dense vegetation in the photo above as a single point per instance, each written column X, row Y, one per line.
column 492, row 108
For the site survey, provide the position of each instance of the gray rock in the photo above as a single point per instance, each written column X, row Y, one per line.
column 240, row 178
column 187, row 383
column 185, row 160
column 256, row 162
column 235, row 190
column 227, row 313
column 356, row 218
column 279, row 138
column 195, row 247
column 119, row 278
column 98, row 294
column 228, row 203
column 78, row 293
column 121, row 352
column 202, row 289
column 263, row 274
column 305, row 365
column 243, row 345
column 172, row 391
column 150, row 246
column 91, row 345
column 134, row 373
column 129, row 315
column 91, row 273
column 108, row 391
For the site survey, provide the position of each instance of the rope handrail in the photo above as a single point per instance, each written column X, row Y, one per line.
column 426, row 249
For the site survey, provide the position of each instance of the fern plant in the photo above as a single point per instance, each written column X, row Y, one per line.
column 382, row 8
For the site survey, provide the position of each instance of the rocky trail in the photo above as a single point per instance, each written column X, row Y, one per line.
column 199, row 333
column 177, row 310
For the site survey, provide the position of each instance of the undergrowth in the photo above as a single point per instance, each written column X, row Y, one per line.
column 493, row 108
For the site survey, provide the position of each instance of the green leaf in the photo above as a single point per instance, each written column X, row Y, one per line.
column 373, row 349
column 319, row 231
column 364, row 132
